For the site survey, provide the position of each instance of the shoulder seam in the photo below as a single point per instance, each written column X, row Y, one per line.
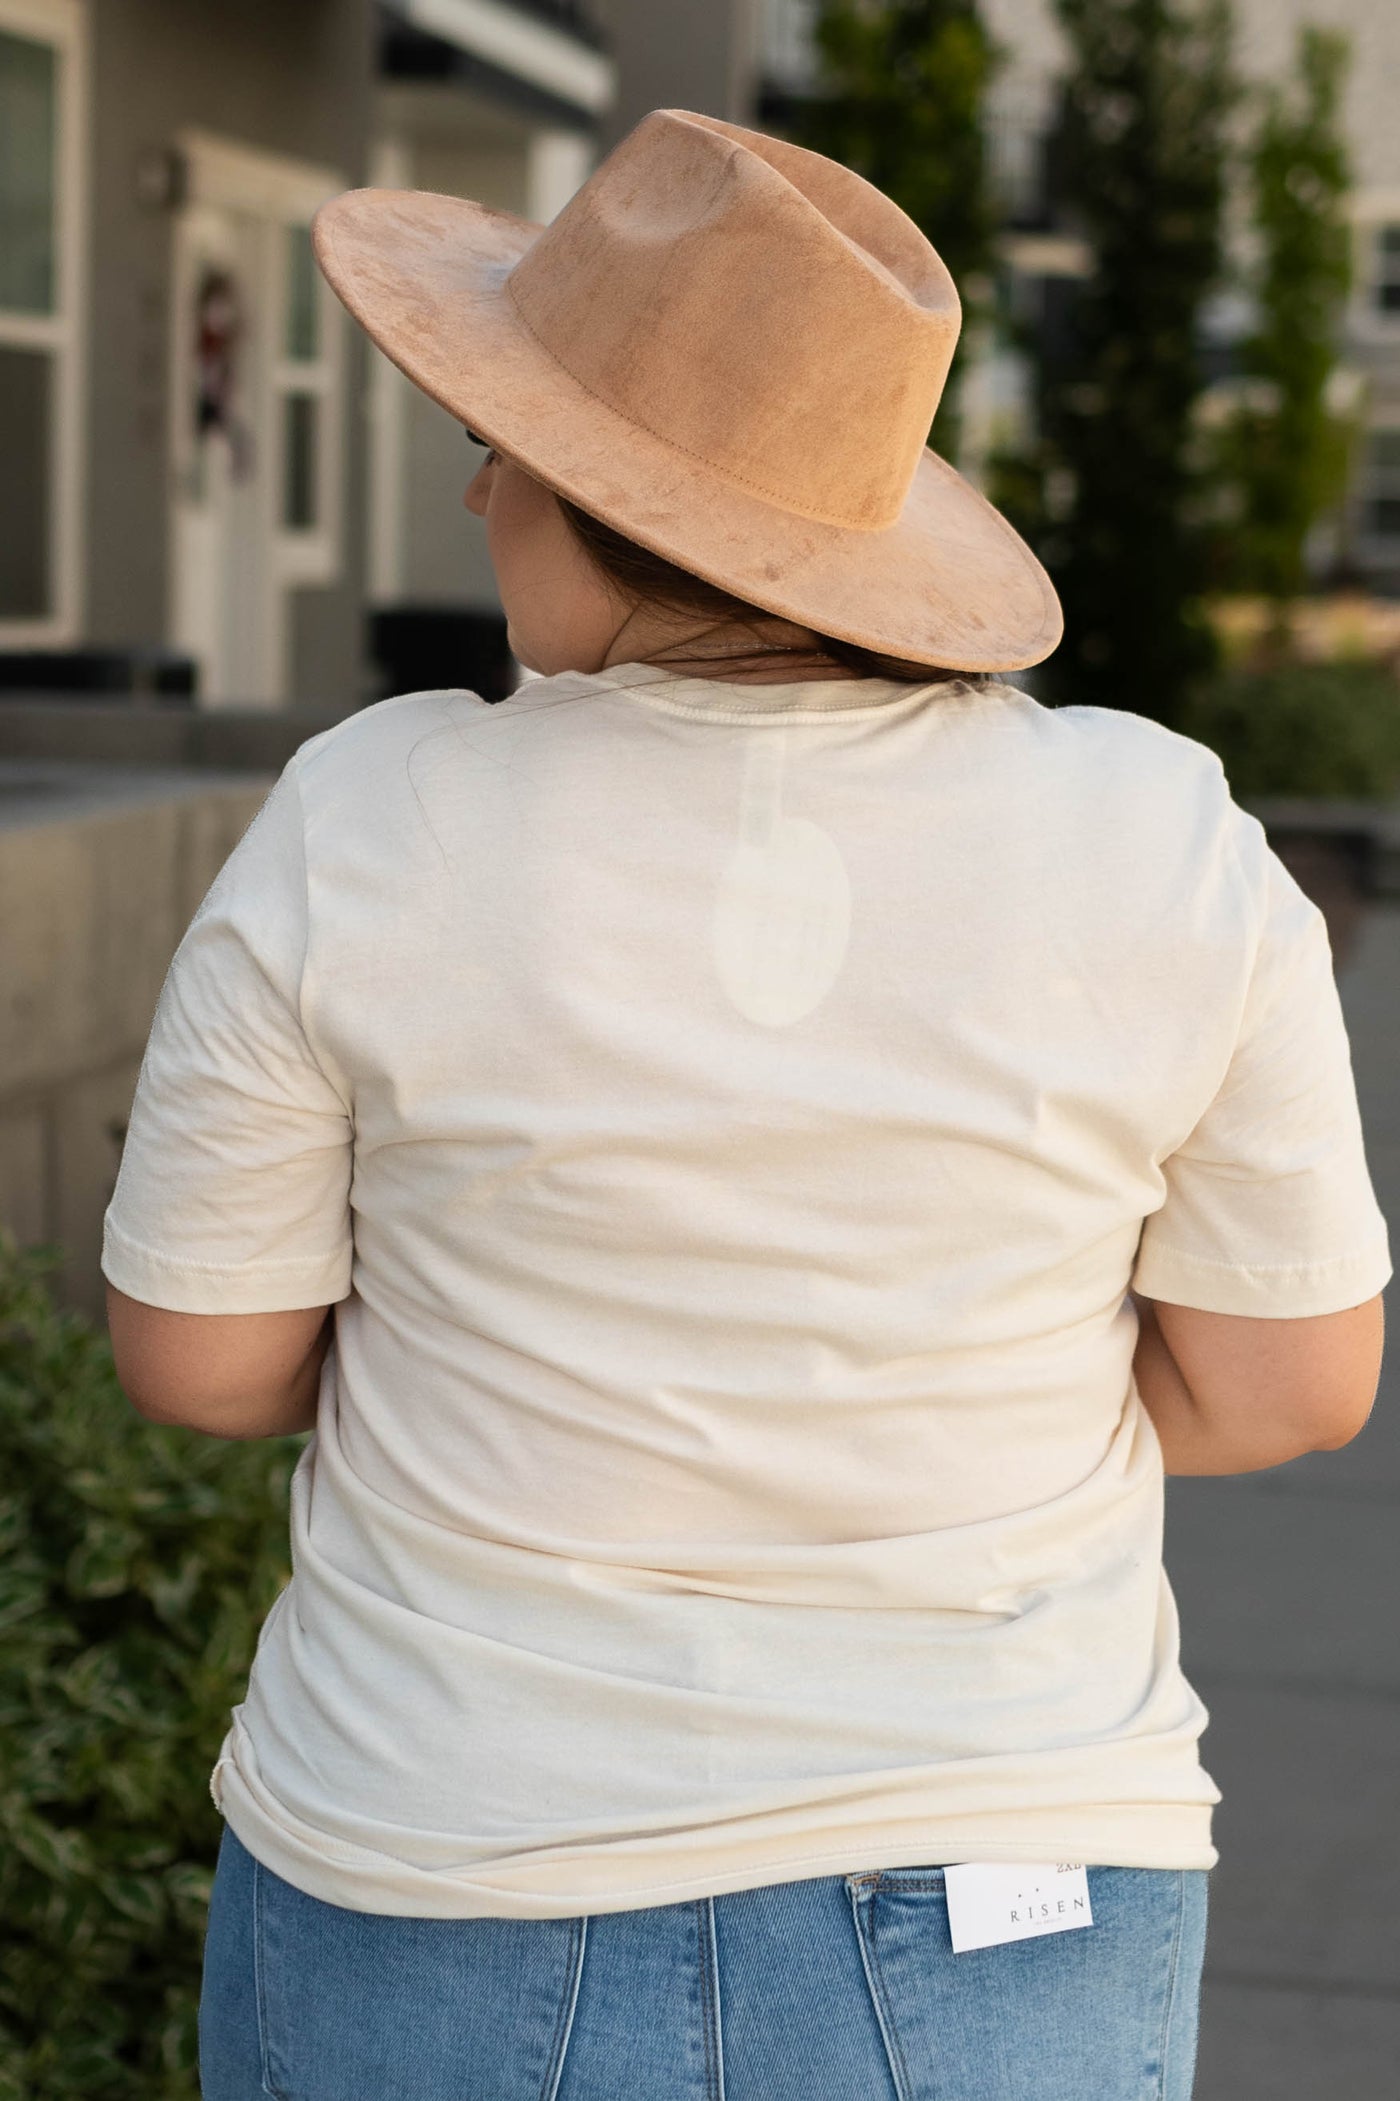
column 1159, row 729
column 324, row 738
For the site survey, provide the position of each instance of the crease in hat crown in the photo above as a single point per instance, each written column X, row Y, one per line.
column 767, row 312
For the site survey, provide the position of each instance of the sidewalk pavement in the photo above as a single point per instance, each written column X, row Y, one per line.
column 1288, row 1584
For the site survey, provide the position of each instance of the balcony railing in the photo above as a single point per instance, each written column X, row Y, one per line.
column 541, row 55
column 572, row 15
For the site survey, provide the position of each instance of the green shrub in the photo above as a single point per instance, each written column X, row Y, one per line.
column 1303, row 729
column 136, row 1566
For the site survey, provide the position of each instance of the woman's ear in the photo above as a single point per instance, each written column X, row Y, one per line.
column 478, row 490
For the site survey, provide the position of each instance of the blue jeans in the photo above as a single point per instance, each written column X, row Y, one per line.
column 843, row 1988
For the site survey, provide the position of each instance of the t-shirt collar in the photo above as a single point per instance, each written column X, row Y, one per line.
column 723, row 697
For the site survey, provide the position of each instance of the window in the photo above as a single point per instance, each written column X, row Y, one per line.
column 304, row 380
column 1380, row 490
column 40, row 254
column 789, row 54
column 25, row 422
column 299, row 506
column 1017, row 131
column 303, row 331
column 1387, row 274
column 28, row 185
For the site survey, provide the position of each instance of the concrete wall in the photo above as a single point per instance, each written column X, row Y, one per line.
column 429, row 551
column 282, row 76
column 99, row 733
column 445, row 558
column 674, row 54
column 101, row 870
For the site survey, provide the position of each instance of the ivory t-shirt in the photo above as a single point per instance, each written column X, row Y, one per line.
column 727, row 1120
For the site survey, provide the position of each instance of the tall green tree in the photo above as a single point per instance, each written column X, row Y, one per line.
column 899, row 98
column 1142, row 156
column 1285, row 452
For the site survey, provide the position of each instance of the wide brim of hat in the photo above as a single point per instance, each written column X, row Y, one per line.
column 951, row 583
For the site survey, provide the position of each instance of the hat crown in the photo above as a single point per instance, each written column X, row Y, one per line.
column 758, row 307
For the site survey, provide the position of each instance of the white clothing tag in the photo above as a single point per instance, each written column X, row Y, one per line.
column 991, row 1902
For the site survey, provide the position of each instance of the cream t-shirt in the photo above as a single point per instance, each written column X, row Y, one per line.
column 727, row 1120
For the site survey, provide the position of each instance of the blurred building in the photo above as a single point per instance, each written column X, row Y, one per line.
column 210, row 477
column 171, row 401
column 214, row 485
column 682, row 54
column 1043, row 261
column 217, row 490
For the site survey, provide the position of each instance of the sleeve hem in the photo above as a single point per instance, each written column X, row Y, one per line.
column 182, row 1286
column 1270, row 1291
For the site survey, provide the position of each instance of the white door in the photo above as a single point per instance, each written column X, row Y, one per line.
column 226, row 609
column 256, row 415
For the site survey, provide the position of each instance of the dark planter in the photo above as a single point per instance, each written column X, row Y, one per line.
column 1331, row 871
column 422, row 649
column 110, row 674
column 1341, row 854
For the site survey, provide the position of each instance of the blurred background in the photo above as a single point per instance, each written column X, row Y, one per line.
column 226, row 522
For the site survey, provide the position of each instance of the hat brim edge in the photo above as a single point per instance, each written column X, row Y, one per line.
column 424, row 276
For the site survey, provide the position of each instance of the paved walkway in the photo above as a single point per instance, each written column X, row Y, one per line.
column 1289, row 1589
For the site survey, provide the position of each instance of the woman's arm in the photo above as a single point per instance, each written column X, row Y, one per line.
column 1229, row 1393
column 235, row 1375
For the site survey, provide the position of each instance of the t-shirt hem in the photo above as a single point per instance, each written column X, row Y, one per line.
column 180, row 1285
column 1278, row 1291
column 1168, row 1836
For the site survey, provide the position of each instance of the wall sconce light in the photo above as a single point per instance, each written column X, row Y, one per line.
column 161, row 178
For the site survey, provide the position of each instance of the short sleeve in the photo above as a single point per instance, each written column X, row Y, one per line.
column 233, row 1191
column 1269, row 1207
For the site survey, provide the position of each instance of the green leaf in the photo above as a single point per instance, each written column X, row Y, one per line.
column 137, row 1564
column 100, row 1566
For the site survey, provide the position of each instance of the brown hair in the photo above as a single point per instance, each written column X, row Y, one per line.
column 638, row 575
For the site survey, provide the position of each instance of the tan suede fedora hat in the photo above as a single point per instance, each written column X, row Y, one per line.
column 729, row 349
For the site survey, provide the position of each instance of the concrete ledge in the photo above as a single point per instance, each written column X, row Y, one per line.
column 1369, row 832
column 95, row 732
column 101, row 871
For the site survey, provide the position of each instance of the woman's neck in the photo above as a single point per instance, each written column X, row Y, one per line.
column 777, row 653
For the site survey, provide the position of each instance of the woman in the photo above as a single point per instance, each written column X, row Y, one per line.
column 701, row 1142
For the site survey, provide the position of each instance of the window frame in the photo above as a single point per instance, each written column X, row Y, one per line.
column 1374, row 213
column 1385, row 272
column 1377, row 550
column 63, row 25
column 309, row 554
